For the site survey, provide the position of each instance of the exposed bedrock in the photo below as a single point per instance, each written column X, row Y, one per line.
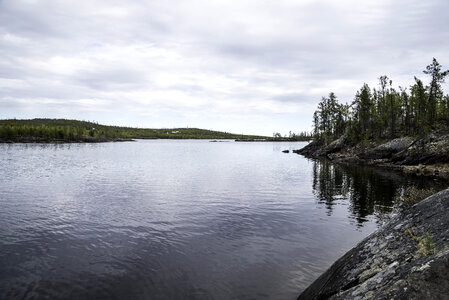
column 427, row 155
column 407, row 258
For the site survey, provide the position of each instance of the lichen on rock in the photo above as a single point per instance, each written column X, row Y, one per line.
column 388, row 264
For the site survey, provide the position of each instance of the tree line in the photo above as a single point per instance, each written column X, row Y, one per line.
column 292, row 136
column 74, row 130
column 385, row 111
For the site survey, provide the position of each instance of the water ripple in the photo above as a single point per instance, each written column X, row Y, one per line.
column 175, row 220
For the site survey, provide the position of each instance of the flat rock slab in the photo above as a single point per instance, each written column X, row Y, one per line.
column 396, row 144
column 408, row 258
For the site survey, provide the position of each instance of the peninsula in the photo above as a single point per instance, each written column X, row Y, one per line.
column 408, row 257
column 387, row 127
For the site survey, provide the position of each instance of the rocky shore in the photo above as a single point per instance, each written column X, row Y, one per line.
column 427, row 155
column 407, row 258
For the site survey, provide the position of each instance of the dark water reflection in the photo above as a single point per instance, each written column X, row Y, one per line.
column 370, row 191
column 178, row 219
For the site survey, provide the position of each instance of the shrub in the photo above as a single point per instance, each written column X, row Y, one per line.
column 412, row 195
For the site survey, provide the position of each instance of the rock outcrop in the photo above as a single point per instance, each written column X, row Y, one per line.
column 388, row 149
column 315, row 149
column 408, row 258
column 431, row 149
column 428, row 155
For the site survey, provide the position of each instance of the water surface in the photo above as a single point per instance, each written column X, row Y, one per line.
column 167, row 219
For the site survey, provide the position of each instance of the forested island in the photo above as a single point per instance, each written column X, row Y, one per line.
column 399, row 128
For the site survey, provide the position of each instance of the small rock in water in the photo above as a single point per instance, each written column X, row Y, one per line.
column 286, row 151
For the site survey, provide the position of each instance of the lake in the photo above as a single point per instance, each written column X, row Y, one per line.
column 179, row 219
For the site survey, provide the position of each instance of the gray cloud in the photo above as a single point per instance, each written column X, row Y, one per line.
column 253, row 66
column 294, row 97
column 115, row 78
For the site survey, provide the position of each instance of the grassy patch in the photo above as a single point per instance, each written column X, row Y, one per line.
column 425, row 243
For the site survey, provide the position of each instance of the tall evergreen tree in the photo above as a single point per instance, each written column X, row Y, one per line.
column 385, row 112
column 405, row 108
column 418, row 102
column 435, row 91
column 362, row 112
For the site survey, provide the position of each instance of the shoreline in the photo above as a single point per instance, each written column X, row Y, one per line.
column 408, row 257
column 422, row 156
column 32, row 140
column 35, row 140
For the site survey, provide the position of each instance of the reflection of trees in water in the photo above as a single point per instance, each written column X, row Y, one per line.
column 369, row 191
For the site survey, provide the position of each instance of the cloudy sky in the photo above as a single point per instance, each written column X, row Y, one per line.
column 247, row 66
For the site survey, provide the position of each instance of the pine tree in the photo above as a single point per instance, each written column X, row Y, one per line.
column 435, row 91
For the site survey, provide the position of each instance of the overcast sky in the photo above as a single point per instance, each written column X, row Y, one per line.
column 238, row 66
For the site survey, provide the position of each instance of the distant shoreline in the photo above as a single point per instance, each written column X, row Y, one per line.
column 74, row 131
column 90, row 140
column 34, row 140
column 63, row 130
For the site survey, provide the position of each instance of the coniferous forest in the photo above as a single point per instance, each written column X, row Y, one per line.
column 385, row 112
column 48, row 130
column 63, row 130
